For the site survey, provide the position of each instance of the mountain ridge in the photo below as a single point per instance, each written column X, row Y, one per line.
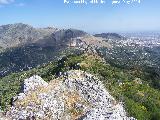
column 128, row 71
column 42, row 43
column 14, row 35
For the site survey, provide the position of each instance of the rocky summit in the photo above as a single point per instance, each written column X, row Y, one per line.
column 74, row 95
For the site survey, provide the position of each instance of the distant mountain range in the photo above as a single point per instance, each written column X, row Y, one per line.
column 23, row 47
column 14, row 35
column 113, row 36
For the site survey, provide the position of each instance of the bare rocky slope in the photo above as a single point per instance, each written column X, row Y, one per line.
column 15, row 35
column 75, row 95
column 19, row 34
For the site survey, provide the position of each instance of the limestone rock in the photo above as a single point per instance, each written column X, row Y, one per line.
column 32, row 83
column 75, row 95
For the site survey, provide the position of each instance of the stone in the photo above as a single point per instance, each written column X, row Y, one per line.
column 32, row 83
column 79, row 96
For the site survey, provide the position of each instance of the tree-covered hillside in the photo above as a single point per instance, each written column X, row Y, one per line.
column 140, row 99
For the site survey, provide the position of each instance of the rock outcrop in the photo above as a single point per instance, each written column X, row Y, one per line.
column 75, row 95
column 33, row 83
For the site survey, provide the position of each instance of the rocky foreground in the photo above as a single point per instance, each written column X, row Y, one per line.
column 75, row 95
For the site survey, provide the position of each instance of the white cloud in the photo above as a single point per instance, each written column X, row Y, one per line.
column 3, row 2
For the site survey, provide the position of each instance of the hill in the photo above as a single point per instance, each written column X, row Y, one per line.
column 25, row 47
column 140, row 100
column 128, row 72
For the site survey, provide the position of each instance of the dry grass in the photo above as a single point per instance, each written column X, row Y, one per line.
column 140, row 93
column 32, row 97
column 71, row 99
column 91, row 40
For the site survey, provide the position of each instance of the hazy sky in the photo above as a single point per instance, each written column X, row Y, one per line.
column 91, row 17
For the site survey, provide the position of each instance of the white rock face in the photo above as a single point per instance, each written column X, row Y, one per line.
column 74, row 96
column 32, row 83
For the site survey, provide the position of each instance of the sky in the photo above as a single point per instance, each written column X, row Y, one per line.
column 93, row 18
